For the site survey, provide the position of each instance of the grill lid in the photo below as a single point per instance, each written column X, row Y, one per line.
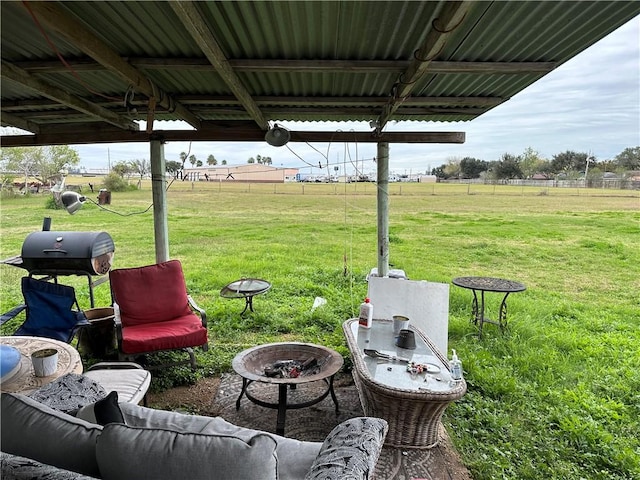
column 87, row 252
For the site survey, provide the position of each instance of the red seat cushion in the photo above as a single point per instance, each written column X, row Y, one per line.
column 186, row 331
column 150, row 294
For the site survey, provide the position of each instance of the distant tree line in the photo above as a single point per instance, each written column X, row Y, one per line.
column 567, row 165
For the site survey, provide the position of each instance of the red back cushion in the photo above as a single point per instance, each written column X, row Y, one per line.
column 150, row 294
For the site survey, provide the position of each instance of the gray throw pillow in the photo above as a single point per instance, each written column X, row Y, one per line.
column 136, row 453
column 350, row 451
column 69, row 392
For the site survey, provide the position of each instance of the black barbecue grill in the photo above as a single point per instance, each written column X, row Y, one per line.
column 67, row 253
column 60, row 252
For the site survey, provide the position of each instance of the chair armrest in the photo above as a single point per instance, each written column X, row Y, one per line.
column 11, row 314
column 117, row 323
column 351, row 450
column 200, row 311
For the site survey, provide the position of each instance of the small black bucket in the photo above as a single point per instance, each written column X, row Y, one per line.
column 98, row 339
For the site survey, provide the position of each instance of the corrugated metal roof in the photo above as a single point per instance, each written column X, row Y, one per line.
column 267, row 37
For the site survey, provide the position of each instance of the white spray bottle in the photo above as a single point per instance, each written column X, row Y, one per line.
column 365, row 319
column 456, row 367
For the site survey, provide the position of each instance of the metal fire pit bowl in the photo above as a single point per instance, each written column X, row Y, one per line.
column 251, row 363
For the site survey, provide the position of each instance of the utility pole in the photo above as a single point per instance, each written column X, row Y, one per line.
column 586, row 170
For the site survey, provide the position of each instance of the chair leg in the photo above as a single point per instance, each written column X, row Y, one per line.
column 192, row 358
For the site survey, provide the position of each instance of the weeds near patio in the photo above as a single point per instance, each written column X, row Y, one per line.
column 555, row 397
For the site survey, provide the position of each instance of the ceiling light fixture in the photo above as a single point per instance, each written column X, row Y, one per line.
column 277, row 136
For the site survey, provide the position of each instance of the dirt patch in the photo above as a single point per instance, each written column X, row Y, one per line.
column 196, row 399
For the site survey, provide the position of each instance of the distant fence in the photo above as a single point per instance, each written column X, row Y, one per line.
column 612, row 183
column 403, row 189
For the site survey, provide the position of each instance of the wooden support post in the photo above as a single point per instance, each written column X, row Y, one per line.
column 383, row 208
column 159, row 190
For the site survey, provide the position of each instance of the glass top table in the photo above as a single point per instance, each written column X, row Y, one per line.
column 245, row 288
column 412, row 403
column 380, row 337
column 488, row 284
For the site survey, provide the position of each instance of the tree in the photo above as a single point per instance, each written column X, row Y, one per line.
column 507, row 167
column 18, row 160
column 569, row 161
column 172, row 166
column 199, row 163
column 251, row 160
column 142, row 167
column 43, row 163
column 472, row 167
column 452, row 168
column 123, row 169
column 531, row 162
column 192, row 160
column 224, row 162
column 211, row 160
column 628, row 159
column 439, row 172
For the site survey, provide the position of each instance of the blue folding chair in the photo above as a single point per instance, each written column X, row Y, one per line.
column 49, row 311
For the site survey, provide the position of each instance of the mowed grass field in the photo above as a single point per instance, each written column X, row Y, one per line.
column 557, row 396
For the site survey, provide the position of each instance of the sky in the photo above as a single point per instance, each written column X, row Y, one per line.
column 589, row 104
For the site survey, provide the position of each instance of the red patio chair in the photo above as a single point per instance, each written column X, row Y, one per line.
column 156, row 313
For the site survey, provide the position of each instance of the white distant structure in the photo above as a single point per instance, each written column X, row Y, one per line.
column 427, row 179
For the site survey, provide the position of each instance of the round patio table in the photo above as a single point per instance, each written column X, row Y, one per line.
column 22, row 379
column 488, row 284
column 245, row 288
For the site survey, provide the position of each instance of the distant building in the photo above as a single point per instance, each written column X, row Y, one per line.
column 250, row 172
column 427, row 179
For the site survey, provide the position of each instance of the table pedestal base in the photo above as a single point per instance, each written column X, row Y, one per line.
column 282, row 406
column 477, row 314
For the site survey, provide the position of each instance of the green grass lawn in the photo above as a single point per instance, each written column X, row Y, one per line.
column 557, row 396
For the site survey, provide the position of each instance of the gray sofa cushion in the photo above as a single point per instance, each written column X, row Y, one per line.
column 30, row 429
column 136, row 453
column 13, row 467
column 350, row 451
column 294, row 456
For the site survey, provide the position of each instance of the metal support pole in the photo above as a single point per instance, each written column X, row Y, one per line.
column 383, row 209
column 159, row 190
